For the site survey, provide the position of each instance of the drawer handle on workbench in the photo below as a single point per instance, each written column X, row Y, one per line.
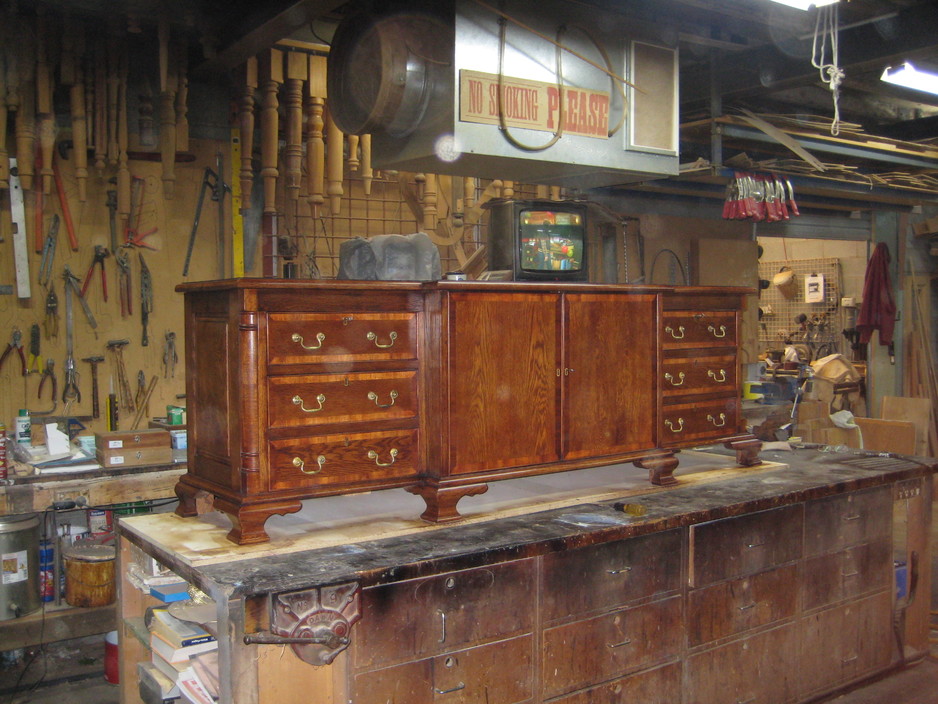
column 670, row 331
column 621, row 570
column 670, row 425
column 374, row 338
column 713, row 375
column 372, row 455
column 320, row 336
column 845, row 575
column 298, row 401
column 714, row 420
column 747, row 607
column 372, row 396
column 461, row 685
column 852, row 517
column 722, row 332
column 670, row 378
column 619, row 645
column 300, row 464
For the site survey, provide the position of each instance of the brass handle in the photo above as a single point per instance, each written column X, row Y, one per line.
column 372, row 455
column 374, row 338
column 670, row 425
column 461, row 685
column 567, row 371
column 372, row 396
column 670, row 378
column 298, row 401
column 747, row 607
column 620, row 644
column 714, row 420
column 852, row 517
column 300, row 464
column 670, row 331
column 713, row 375
column 320, row 336
column 722, row 332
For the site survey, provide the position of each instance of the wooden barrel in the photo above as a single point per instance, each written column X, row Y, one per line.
column 90, row 575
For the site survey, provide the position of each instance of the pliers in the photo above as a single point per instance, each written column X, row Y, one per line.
column 49, row 373
column 100, row 254
column 16, row 342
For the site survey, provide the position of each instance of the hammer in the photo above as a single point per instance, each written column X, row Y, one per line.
column 123, row 386
column 94, row 362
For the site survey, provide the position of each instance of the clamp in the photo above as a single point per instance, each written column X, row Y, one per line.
column 16, row 342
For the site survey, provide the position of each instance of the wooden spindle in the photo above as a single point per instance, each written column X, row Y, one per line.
column 542, row 192
column 420, row 182
column 113, row 90
column 44, row 113
column 430, row 203
column 297, row 68
column 354, row 163
column 508, row 189
column 469, row 193
column 315, row 145
column 73, row 75
column 273, row 76
column 4, row 155
column 368, row 173
column 100, row 110
column 168, row 87
column 335, row 155
column 123, row 167
column 555, row 193
column 182, row 98
column 26, row 136
column 246, row 127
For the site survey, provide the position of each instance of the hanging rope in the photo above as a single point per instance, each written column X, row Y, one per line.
column 826, row 26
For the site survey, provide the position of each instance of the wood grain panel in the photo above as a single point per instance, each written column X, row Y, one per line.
column 659, row 686
column 307, row 338
column 706, row 374
column 697, row 422
column 698, row 328
column 839, row 521
column 859, row 569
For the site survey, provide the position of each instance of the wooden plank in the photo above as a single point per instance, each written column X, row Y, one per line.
column 888, row 435
column 915, row 410
column 55, row 623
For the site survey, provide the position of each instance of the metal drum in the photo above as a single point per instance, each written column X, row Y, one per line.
column 19, row 565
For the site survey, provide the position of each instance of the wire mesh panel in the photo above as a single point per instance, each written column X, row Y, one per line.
column 786, row 315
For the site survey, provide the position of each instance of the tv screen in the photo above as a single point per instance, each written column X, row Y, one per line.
column 551, row 240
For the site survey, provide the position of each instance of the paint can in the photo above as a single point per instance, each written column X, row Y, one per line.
column 111, row 658
column 19, row 565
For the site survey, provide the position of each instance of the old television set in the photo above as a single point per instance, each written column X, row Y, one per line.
column 538, row 240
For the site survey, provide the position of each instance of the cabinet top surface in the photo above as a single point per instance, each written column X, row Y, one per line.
column 197, row 549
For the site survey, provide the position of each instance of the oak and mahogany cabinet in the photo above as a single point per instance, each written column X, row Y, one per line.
column 305, row 389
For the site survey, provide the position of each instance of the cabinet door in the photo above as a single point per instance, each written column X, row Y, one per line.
column 503, row 384
column 609, row 374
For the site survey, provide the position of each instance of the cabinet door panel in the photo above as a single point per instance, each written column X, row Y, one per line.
column 592, row 650
column 659, row 686
column 839, row 521
column 609, row 374
column 610, row 575
column 503, row 384
column 316, row 338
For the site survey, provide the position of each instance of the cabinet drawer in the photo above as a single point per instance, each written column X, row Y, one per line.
column 754, row 670
column 342, row 458
column 415, row 619
column 593, row 650
column 698, row 375
column 309, row 338
column 498, row 672
column 610, row 575
column 698, row 329
column 658, row 686
column 736, row 606
column 743, row 545
column 691, row 423
column 842, row 575
column 338, row 398
column 839, row 521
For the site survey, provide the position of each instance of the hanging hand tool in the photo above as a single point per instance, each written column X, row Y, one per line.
column 71, row 281
column 63, row 204
column 48, row 373
column 70, row 391
column 100, row 254
column 125, row 398
column 213, row 181
column 94, row 362
column 15, row 343
column 48, row 253
column 50, row 323
column 123, row 282
column 18, row 214
column 140, row 398
column 146, row 401
column 146, row 299
column 35, row 360
column 169, row 356
column 112, row 214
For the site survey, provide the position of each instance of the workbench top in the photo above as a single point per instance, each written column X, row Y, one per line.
column 377, row 538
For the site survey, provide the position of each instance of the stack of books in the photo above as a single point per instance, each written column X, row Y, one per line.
column 183, row 659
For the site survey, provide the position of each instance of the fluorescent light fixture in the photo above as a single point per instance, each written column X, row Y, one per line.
column 910, row 77
column 805, row 4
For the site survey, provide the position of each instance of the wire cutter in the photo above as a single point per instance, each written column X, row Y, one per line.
column 49, row 373
column 16, row 342
column 100, row 254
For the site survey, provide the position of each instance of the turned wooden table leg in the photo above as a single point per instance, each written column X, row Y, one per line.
column 441, row 501
column 247, row 522
column 192, row 500
column 660, row 468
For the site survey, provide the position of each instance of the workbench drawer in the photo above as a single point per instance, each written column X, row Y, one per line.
column 499, row 672
column 346, row 458
column 739, row 605
column 744, row 545
column 341, row 398
column 680, row 329
column 319, row 338
column 682, row 376
column 610, row 575
column 597, row 649
column 837, row 522
column 689, row 423
column 659, row 686
column 419, row 618
column 842, row 575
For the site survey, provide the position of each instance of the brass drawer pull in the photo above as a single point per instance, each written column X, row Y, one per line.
column 847, row 661
column 461, row 685
column 722, row 332
column 670, row 378
column 670, row 424
column 372, row 455
column 670, row 331
column 298, row 401
column 372, row 396
column 621, row 570
column 713, row 375
column 845, row 575
column 619, row 645
column 300, row 464
column 747, row 607
column 374, row 338
column 852, row 517
column 714, row 420
column 320, row 336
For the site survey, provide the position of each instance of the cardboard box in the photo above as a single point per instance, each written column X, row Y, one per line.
column 133, row 448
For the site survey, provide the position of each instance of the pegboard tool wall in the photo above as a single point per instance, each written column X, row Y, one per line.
column 779, row 312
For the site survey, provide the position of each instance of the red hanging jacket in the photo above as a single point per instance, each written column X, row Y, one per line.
column 878, row 310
